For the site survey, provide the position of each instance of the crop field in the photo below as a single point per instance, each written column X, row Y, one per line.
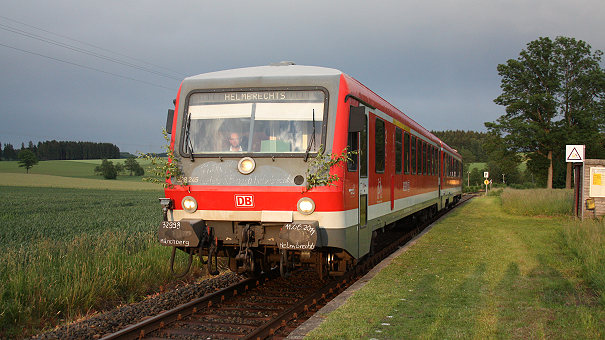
column 67, row 252
column 74, row 244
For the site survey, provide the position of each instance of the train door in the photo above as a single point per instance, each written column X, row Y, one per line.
column 358, row 127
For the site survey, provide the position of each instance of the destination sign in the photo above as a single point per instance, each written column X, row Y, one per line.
column 255, row 97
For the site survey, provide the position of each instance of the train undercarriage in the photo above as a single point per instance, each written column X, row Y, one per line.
column 253, row 248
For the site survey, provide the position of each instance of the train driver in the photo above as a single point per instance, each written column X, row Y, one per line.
column 234, row 142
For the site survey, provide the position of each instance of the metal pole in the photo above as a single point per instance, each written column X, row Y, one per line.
column 576, row 189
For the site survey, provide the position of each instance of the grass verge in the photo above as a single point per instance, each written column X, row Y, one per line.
column 69, row 252
column 538, row 202
column 479, row 273
column 586, row 239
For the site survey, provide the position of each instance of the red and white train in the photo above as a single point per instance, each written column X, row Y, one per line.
column 244, row 140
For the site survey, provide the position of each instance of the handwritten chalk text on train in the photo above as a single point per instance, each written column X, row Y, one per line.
column 301, row 227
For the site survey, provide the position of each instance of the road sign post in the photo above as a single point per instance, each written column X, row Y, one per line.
column 575, row 154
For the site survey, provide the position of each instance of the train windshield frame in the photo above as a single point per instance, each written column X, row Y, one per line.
column 259, row 122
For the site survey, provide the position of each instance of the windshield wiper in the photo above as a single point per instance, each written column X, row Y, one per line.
column 187, row 139
column 312, row 140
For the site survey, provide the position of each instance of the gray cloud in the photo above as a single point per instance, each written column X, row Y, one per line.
column 435, row 60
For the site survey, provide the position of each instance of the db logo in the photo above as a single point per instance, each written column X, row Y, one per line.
column 244, row 201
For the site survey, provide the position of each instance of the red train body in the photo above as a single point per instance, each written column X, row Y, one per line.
column 281, row 116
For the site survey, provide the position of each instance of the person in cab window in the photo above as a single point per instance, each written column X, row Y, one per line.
column 234, row 142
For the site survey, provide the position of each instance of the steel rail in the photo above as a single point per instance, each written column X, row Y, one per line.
column 139, row 330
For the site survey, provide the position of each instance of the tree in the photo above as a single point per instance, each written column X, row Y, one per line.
column 502, row 161
column 552, row 88
column 581, row 94
column 133, row 166
column 27, row 159
column 119, row 167
column 9, row 152
column 106, row 169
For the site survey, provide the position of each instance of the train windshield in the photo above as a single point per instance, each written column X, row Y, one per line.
column 254, row 122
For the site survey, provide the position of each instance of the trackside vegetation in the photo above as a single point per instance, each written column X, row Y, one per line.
column 70, row 252
column 484, row 273
column 585, row 239
column 536, row 202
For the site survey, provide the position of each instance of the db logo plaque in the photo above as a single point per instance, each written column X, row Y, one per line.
column 244, row 201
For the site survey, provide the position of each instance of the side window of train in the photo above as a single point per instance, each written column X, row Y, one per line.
column 432, row 158
column 424, row 159
column 429, row 152
column 406, row 152
column 398, row 150
column 421, row 157
column 352, row 145
column 435, row 161
column 414, row 155
column 363, row 149
column 379, row 154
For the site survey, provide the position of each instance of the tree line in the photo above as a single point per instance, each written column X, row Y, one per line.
column 62, row 150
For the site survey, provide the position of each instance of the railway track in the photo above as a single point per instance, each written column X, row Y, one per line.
column 267, row 306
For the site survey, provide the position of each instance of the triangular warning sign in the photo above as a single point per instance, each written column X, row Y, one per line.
column 574, row 155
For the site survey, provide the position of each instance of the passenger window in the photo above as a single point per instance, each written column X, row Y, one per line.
column 398, row 149
column 379, row 145
column 406, row 152
column 352, row 145
column 424, row 159
column 363, row 149
column 429, row 152
column 414, row 155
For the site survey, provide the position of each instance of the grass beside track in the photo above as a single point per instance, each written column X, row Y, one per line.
column 479, row 273
column 68, row 252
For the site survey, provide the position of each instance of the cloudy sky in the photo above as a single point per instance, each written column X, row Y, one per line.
column 107, row 71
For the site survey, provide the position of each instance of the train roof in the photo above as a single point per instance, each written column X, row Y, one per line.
column 282, row 69
column 284, row 72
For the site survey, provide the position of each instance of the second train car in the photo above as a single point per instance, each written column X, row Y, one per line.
column 244, row 139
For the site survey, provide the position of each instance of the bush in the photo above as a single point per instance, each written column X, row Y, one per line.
column 495, row 192
column 473, row 188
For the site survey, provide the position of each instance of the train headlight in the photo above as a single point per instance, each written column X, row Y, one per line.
column 246, row 165
column 189, row 204
column 305, row 206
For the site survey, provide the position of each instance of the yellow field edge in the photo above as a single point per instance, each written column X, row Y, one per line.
column 33, row 180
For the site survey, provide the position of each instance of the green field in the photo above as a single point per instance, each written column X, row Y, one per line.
column 70, row 168
column 74, row 243
column 481, row 273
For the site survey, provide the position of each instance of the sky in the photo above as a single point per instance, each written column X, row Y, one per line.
column 108, row 71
